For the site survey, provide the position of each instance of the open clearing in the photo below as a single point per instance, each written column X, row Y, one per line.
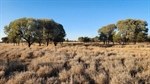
column 70, row 64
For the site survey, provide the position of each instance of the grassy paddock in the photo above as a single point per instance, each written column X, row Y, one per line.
column 75, row 63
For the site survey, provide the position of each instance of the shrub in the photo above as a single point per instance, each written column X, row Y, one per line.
column 22, row 77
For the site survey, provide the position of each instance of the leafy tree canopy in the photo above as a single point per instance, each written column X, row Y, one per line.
column 32, row 30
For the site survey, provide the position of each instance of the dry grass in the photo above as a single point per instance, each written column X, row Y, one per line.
column 70, row 64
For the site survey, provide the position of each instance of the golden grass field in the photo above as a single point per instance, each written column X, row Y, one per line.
column 70, row 64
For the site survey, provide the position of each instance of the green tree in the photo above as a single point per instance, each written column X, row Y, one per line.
column 23, row 28
column 13, row 33
column 106, row 33
column 40, row 33
column 67, row 40
column 116, row 37
column 32, row 30
column 130, row 29
column 59, row 34
column 96, row 39
column 80, row 39
column 28, row 29
column 141, row 37
column 148, row 39
column 84, row 39
column 5, row 39
column 53, row 31
column 102, row 37
column 47, row 29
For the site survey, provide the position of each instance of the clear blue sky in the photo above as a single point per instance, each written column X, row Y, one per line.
column 79, row 17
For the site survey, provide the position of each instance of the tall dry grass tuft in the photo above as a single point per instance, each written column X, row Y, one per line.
column 22, row 77
column 122, row 78
column 77, row 69
column 100, row 78
column 53, row 80
column 2, row 73
column 44, row 71
column 3, row 80
column 64, row 75
column 14, row 65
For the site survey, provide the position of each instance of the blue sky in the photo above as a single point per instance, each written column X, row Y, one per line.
column 79, row 17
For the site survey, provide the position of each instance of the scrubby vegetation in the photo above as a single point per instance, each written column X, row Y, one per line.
column 75, row 64
column 85, row 62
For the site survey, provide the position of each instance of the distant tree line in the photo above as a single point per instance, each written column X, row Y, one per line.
column 123, row 32
column 47, row 30
column 34, row 30
column 88, row 39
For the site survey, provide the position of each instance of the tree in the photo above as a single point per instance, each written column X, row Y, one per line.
column 96, row 39
column 28, row 29
column 141, row 37
column 148, row 39
column 84, row 39
column 102, row 37
column 40, row 33
column 5, row 39
column 53, row 31
column 106, row 33
column 116, row 38
column 13, row 33
column 47, row 27
column 80, row 39
column 32, row 30
column 59, row 34
column 67, row 40
column 130, row 29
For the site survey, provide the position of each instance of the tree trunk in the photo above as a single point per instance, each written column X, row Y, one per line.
column 39, row 43
column 104, row 42
column 55, row 43
column 29, row 44
column 14, row 44
column 18, row 43
column 47, row 42
column 134, row 42
column 135, row 38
